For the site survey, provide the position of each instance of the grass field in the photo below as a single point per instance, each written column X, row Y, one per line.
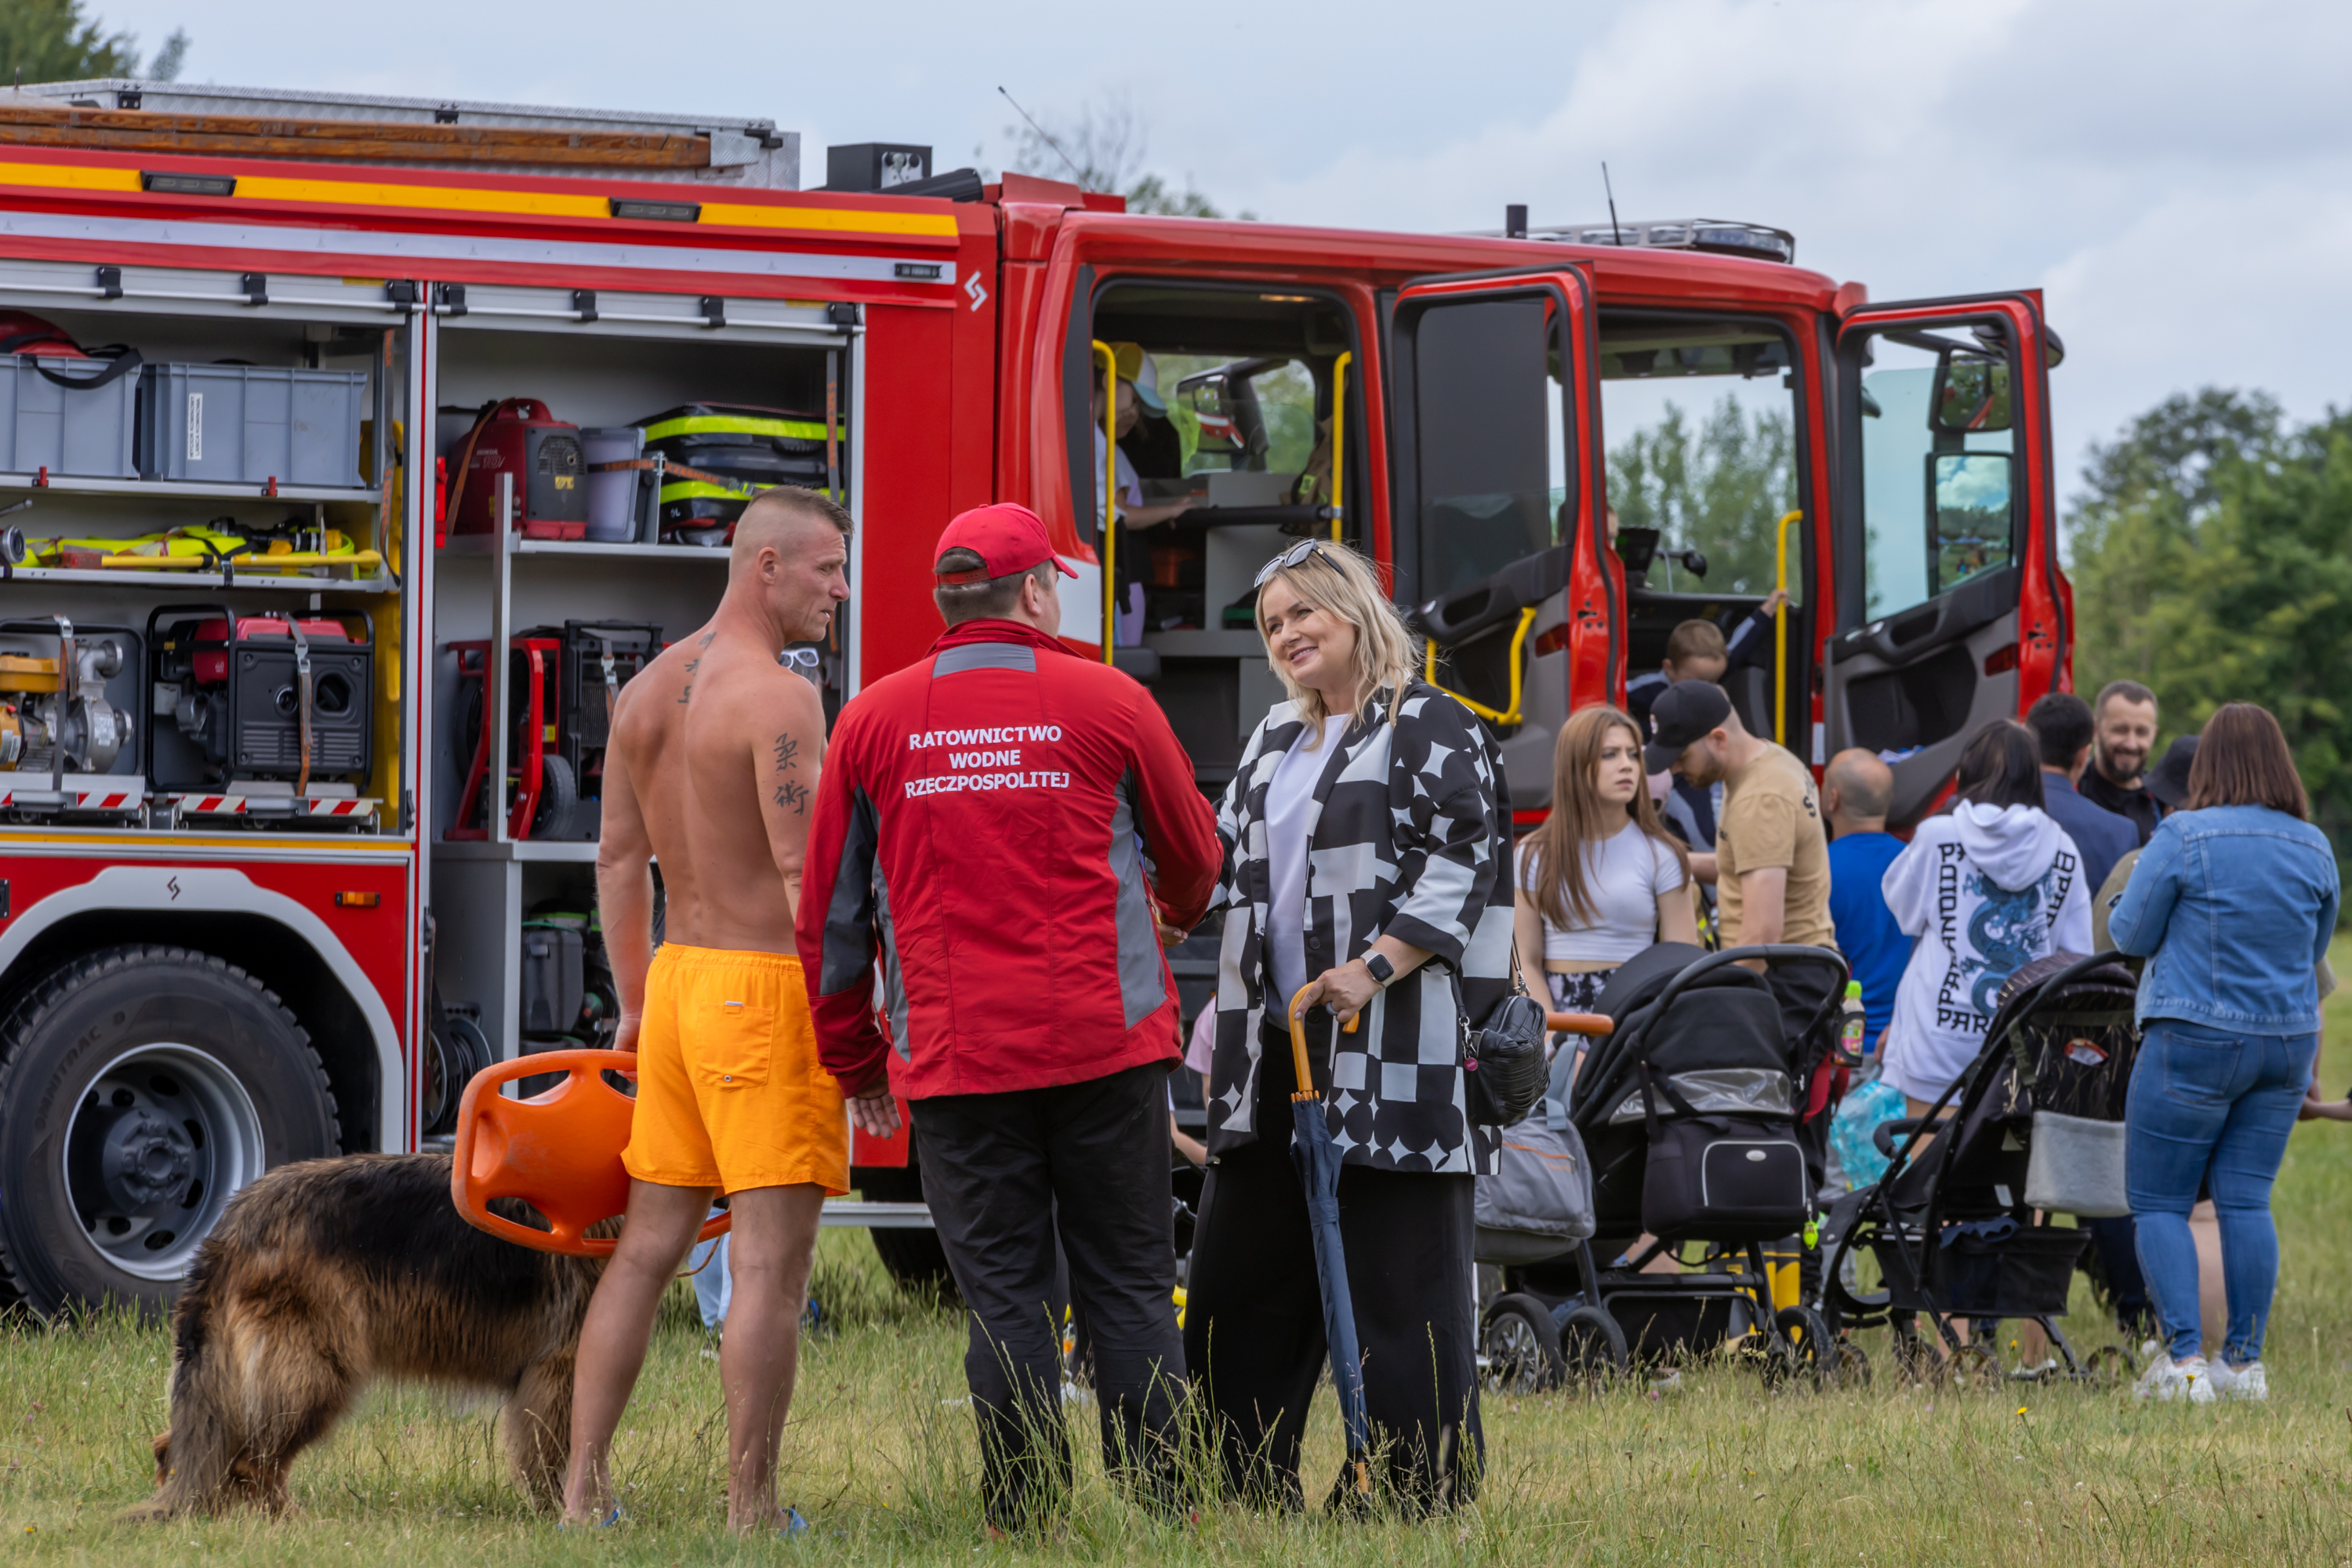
column 881, row 1457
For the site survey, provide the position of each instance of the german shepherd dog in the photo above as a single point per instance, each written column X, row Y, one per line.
column 324, row 1276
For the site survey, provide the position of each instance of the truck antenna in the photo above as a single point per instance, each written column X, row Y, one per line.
column 1616, row 235
column 1047, row 137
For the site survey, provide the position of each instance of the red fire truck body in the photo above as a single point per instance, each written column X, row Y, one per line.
column 194, row 991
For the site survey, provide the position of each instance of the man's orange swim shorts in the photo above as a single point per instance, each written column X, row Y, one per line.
column 730, row 1090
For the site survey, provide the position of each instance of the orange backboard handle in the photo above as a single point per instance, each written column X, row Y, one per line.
column 559, row 1151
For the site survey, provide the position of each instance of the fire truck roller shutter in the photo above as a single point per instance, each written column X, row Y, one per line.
column 260, row 1089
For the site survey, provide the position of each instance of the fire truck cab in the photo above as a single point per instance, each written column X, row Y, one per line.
column 307, row 633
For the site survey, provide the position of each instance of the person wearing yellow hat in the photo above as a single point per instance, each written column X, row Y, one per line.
column 1138, row 395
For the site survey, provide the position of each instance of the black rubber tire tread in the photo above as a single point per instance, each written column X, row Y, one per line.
column 1593, row 1349
column 67, row 981
column 1552, row 1365
column 559, row 800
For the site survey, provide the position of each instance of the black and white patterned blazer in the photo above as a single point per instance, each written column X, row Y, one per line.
column 1410, row 837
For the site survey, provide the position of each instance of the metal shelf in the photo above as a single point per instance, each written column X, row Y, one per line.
column 571, row 852
column 482, row 543
column 172, row 581
column 167, row 489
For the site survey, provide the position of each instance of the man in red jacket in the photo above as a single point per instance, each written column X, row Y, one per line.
column 1005, row 825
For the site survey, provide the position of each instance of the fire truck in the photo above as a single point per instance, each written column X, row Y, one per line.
column 358, row 450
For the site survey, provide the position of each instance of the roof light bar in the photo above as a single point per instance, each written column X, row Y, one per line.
column 1714, row 236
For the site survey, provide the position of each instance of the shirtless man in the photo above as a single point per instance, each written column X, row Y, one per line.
column 712, row 770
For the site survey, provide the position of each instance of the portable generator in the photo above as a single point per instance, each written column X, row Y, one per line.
column 542, row 793
column 518, row 436
column 61, row 738
column 596, row 659
column 255, row 697
column 718, row 455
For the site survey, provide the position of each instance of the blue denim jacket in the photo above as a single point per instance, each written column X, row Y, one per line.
column 2232, row 906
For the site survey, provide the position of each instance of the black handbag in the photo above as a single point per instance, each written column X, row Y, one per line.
column 1503, row 1063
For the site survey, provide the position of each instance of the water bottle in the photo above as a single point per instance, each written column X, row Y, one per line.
column 1851, row 1026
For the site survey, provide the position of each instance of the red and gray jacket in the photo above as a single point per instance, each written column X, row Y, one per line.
column 994, row 824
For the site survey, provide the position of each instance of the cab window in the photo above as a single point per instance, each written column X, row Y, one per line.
column 1700, row 418
column 1222, row 424
column 1940, row 497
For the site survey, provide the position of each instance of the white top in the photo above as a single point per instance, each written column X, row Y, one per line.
column 1130, row 488
column 1625, row 876
column 1988, row 889
column 1290, row 823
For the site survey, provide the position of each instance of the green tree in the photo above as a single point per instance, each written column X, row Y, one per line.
column 1718, row 486
column 54, row 40
column 2212, row 561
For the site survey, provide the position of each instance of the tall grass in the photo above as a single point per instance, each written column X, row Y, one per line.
column 880, row 1455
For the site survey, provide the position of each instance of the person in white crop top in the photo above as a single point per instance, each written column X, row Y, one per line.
column 1601, row 880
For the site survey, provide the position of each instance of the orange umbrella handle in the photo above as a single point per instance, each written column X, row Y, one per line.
column 559, row 1151
column 1579, row 1023
column 1306, row 1079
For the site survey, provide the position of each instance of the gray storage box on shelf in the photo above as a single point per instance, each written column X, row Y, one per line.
column 248, row 424
column 66, row 429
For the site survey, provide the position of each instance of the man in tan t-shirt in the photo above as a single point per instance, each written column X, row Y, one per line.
column 1772, row 856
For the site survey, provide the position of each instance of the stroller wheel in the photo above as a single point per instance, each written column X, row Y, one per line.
column 1850, row 1368
column 1800, row 1350
column 1916, row 1360
column 1521, row 1347
column 1593, row 1349
column 1974, row 1365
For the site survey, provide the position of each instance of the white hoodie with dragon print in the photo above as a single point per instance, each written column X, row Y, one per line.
column 1987, row 889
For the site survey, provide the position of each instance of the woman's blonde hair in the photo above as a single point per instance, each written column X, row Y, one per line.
column 1581, row 821
column 1335, row 579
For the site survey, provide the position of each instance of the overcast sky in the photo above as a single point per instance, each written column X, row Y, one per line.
column 2177, row 177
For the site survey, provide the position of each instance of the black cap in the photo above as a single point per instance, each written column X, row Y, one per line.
column 2169, row 780
column 1683, row 713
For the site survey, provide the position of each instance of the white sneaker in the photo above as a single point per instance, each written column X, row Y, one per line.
column 2247, row 1382
column 2167, row 1379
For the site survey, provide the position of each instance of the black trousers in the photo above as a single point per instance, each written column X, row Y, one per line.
column 1253, row 1314
column 1004, row 1174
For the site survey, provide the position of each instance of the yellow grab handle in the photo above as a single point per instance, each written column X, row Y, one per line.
column 1518, row 671
column 1780, row 633
column 1109, row 363
column 1339, row 436
column 1305, row 1077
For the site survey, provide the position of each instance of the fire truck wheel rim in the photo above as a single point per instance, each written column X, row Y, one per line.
column 163, row 1138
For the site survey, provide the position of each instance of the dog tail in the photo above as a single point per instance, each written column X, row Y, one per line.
column 193, row 1456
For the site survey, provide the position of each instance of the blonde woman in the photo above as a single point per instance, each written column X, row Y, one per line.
column 1367, row 835
column 1601, row 880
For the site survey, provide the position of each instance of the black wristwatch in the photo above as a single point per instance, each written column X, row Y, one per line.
column 1381, row 971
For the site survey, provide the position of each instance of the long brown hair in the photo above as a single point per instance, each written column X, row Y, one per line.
column 2242, row 760
column 1580, row 816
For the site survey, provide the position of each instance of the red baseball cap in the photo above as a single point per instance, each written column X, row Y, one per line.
column 1007, row 537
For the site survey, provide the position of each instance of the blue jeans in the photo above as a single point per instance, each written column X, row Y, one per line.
column 2211, row 1107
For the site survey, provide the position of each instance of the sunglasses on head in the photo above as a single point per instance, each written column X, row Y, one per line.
column 804, row 659
column 1303, row 550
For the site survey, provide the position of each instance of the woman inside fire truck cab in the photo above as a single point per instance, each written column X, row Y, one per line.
column 1135, row 404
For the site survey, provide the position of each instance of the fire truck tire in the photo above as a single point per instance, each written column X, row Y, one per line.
column 559, row 800
column 914, row 1259
column 140, row 1088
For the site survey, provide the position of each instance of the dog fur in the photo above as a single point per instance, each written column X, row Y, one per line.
column 325, row 1276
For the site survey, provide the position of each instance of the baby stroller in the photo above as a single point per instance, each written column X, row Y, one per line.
column 1959, row 1230
column 1699, row 1122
